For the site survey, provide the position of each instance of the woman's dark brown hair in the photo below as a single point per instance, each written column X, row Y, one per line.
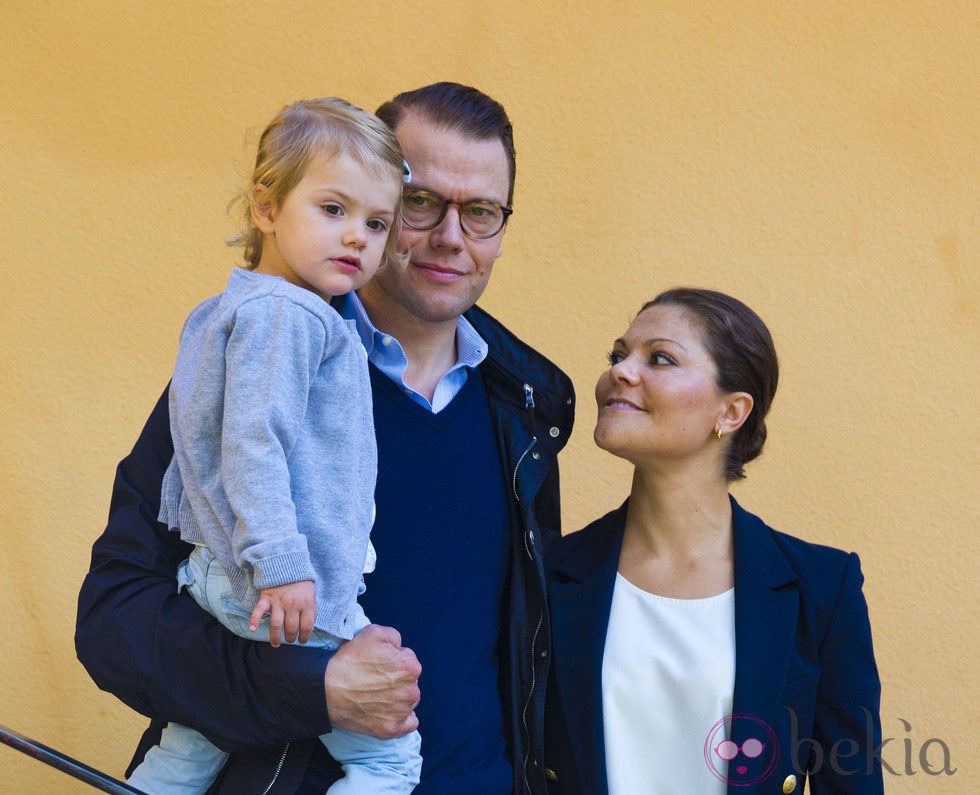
column 745, row 357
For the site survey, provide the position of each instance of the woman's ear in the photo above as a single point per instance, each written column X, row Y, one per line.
column 738, row 406
column 261, row 210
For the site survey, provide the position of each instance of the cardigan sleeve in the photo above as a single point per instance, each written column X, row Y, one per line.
column 274, row 349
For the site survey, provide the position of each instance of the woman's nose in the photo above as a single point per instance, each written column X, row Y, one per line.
column 624, row 371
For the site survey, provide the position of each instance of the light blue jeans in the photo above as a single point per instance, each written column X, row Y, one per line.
column 186, row 763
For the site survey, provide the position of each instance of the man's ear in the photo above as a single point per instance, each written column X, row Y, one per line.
column 738, row 406
column 261, row 210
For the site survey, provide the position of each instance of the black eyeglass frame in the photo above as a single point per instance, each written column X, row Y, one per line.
column 505, row 211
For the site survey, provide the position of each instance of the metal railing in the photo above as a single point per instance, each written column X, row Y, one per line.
column 64, row 763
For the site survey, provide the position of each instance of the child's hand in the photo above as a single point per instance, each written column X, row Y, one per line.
column 291, row 609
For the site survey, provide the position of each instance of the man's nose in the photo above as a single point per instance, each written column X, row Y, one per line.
column 449, row 233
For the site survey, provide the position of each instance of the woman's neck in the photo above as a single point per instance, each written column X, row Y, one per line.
column 678, row 540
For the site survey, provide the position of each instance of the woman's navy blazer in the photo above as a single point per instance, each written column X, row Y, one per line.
column 804, row 664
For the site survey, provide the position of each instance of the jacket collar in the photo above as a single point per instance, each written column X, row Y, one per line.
column 516, row 363
column 766, row 610
column 757, row 557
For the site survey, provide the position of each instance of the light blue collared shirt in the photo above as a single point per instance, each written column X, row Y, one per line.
column 387, row 354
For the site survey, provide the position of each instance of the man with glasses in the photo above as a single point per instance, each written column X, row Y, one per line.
column 478, row 218
column 469, row 423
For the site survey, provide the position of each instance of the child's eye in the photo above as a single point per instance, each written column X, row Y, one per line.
column 377, row 225
column 332, row 209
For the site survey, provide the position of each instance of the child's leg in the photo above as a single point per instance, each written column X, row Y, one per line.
column 374, row 766
column 204, row 579
column 184, row 763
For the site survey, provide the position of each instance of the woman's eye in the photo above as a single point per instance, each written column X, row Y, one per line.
column 377, row 225
column 333, row 209
column 661, row 359
column 615, row 357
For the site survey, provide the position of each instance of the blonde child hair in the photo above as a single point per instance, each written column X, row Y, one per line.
column 296, row 135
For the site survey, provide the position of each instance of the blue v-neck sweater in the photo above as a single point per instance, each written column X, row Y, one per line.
column 442, row 538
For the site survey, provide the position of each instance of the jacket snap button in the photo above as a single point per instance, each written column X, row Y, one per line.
column 550, row 774
column 789, row 784
column 553, row 432
column 536, row 456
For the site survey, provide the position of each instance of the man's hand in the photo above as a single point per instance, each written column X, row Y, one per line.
column 372, row 684
column 291, row 609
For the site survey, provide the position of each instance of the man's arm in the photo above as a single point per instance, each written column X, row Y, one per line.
column 158, row 652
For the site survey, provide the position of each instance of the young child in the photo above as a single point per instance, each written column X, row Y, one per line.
column 275, row 459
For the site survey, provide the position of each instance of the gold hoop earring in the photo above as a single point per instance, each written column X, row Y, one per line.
column 718, row 434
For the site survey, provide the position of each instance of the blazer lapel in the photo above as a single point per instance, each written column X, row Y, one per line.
column 581, row 597
column 765, row 625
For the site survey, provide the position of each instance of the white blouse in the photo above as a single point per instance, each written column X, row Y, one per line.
column 668, row 674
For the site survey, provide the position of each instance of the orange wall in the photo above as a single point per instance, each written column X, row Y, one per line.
column 818, row 160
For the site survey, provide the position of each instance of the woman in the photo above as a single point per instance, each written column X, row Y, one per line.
column 696, row 651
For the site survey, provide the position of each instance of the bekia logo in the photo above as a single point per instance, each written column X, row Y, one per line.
column 741, row 750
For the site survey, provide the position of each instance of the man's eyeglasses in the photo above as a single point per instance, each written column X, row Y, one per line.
column 478, row 218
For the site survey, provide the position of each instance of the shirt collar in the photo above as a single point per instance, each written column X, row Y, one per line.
column 471, row 348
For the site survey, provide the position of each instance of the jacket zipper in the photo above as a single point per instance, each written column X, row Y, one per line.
column 527, row 704
column 278, row 770
column 529, row 406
